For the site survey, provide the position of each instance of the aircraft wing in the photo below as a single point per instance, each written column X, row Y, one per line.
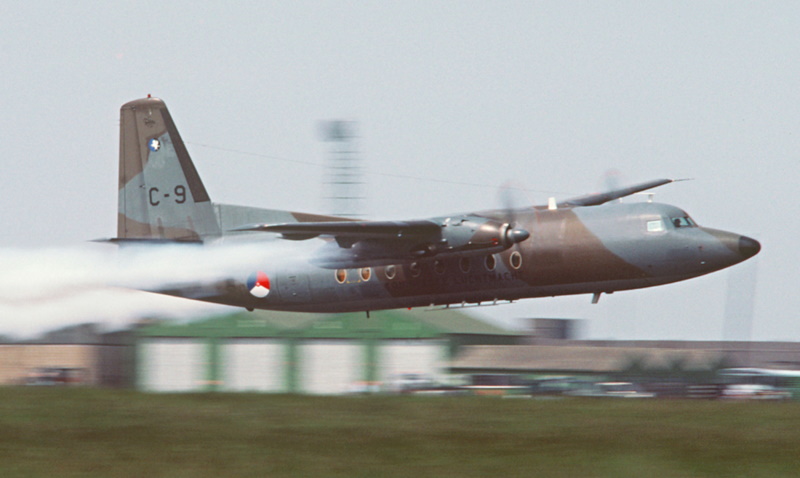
column 602, row 198
column 372, row 243
column 356, row 230
column 347, row 233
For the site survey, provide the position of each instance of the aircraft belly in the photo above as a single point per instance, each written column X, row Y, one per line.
column 486, row 297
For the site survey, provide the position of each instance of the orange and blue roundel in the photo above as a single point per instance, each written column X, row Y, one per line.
column 258, row 284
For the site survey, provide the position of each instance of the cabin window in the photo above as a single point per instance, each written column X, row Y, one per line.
column 515, row 260
column 439, row 267
column 341, row 275
column 655, row 226
column 684, row 221
column 464, row 264
column 490, row 262
column 390, row 272
column 415, row 269
column 366, row 274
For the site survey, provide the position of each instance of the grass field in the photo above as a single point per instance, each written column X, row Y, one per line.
column 84, row 432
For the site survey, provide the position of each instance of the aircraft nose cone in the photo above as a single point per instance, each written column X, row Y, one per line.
column 743, row 247
column 748, row 247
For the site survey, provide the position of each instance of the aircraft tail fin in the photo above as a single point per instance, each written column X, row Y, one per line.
column 161, row 196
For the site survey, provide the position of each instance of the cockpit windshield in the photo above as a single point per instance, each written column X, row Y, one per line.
column 683, row 221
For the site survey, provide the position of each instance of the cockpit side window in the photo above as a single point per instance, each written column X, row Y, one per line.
column 683, row 221
column 655, row 225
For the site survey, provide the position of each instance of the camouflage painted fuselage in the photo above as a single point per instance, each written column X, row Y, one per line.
column 586, row 246
column 570, row 251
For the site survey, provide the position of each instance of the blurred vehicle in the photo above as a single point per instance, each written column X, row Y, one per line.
column 781, row 379
column 557, row 386
column 56, row 376
column 754, row 391
column 612, row 389
column 419, row 384
column 410, row 382
column 708, row 391
column 497, row 384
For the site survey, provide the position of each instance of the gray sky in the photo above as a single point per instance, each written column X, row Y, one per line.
column 456, row 98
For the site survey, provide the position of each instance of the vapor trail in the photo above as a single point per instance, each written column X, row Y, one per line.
column 45, row 288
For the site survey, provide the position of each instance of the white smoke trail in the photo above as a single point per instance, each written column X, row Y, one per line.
column 45, row 288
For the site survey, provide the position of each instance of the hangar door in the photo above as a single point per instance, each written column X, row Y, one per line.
column 330, row 367
column 172, row 365
column 403, row 357
column 256, row 365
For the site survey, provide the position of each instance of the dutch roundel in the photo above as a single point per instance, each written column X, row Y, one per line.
column 258, row 284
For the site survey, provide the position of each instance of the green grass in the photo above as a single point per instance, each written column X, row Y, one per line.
column 83, row 432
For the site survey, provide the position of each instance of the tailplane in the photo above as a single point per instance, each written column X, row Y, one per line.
column 161, row 196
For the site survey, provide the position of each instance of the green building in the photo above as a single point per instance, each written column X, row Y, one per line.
column 282, row 352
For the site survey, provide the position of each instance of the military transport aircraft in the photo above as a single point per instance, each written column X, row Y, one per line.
column 587, row 245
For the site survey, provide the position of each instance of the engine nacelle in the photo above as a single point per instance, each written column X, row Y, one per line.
column 479, row 234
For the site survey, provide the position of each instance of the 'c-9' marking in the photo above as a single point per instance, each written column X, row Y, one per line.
column 180, row 195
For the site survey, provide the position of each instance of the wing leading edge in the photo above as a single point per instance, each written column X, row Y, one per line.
column 602, row 198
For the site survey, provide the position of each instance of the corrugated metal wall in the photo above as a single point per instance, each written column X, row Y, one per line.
column 312, row 366
column 254, row 365
column 173, row 364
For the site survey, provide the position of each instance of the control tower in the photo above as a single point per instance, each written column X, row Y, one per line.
column 343, row 192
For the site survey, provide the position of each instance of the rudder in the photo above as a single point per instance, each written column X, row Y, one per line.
column 161, row 195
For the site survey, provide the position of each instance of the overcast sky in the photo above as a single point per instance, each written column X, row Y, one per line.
column 452, row 100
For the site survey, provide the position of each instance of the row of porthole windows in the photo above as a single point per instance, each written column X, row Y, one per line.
column 464, row 264
column 365, row 274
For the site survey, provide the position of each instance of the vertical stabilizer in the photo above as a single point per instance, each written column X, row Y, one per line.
column 161, row 195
